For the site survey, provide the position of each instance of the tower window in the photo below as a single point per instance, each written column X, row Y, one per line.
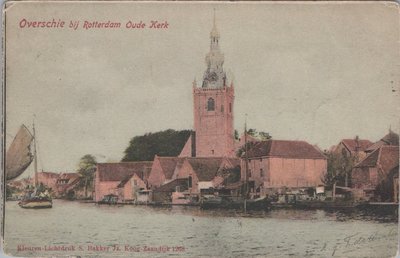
column 261, row 172
column 230, row 107
column 210, row 104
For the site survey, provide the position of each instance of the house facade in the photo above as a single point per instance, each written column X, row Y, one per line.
column 48, row 179
column 110, row 179
column 205, row 173
column 277, row 164
column 355, row 148
column 66, row 182
column 128, row 189
column 162, row 170
column 376, row 174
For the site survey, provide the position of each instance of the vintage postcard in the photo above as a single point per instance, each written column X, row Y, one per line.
column 200, row 129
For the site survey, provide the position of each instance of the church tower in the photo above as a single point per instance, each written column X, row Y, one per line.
column 213, row 106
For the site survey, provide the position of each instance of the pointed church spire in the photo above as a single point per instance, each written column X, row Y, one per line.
column 214, row 32
column 214, row 76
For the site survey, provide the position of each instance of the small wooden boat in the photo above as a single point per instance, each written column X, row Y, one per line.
column 36, row 203
column 229, row 202
column 109, row 199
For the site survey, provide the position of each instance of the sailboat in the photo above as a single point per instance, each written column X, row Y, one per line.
column 18, row 159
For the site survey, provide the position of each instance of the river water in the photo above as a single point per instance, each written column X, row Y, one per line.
column 89, row 230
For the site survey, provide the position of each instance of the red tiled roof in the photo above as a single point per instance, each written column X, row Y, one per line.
column 125, row 180
column 352, row 144
column 48, row 174
column 370, row 161
column 119, row 171
column 71, row 176
column 285, row 149
column 375, row 146
column 171, row 186
column 168, row 165
column 390, row 139
column 205, row 168
column 387, row 157
column 234, row 161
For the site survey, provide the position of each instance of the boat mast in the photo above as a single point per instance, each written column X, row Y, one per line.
column 246, row 160
column 35, row 156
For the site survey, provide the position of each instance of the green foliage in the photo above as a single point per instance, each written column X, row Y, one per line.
column 87, row 165
column 263, row 136
column 164, row 143
column 339, row 168
column 86, row 168
column 70, row 195
column 240, row 152
column 10, row 190
column 252, row 132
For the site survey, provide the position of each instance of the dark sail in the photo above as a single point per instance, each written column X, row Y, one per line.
column 19, row 156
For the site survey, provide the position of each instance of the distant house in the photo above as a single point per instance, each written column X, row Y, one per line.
column 277, row 164
column 66, row 182
column 376, row 174
column 162, row 170
column 48, row 179
column 129, row 188
column 356, row 148
column 204, row 173
column 122, row 179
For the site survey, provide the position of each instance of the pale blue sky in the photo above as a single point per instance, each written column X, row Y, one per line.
column 315, row 72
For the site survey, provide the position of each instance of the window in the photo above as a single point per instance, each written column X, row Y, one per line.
column 190, row 182
column 212, row 152
column 230, row 107
column 222, row 108
column 261, row 172
column 210, row 104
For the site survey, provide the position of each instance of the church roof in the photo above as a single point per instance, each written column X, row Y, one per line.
column 285, row 149
column 122, row 170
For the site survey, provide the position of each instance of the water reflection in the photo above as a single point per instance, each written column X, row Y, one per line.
column 340, row 215
column 221, row 233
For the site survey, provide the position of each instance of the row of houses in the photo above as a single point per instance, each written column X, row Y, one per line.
column 59, row 184
column 127, row 179
column 272, row 165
